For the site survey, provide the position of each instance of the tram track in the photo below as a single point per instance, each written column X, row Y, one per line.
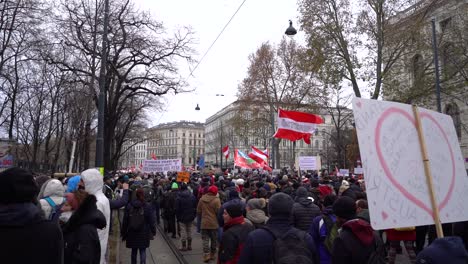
column 180, row 258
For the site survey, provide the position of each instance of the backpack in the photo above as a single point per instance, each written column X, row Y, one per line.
column 291, row 247
column 136, row 219
column 150, row 194
column 56, row 209
column 332, row 231
column 378, row 255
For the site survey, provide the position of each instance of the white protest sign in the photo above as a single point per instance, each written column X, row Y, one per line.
column 344, row 172
column 396, row 184
column 358, row 170
column 308, row 163
column 162, row 165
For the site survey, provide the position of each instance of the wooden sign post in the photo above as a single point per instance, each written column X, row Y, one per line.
column 427, row 171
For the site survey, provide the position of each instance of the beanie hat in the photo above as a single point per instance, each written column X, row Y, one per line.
column 345, row 207
column 444, row 250
column 234, row 210
column 325, row 190
column 183, row 186
column 174, row 186
column 301, row 192
column 213, row 189
column 233, row 194
column 256, row 203
column 72, row 184
column 280, row 204
column 240, row 182
column 267, row 187
column 17, row 186
column 285, row 178
column 329, row 200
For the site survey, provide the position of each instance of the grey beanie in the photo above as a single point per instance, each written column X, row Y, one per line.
column 280, row 204
column 301, row 192
column 256, row 203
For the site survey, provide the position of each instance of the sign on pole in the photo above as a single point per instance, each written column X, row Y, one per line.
column 344, row 172
column 183, row 176
column 162, row 165
column 308, row 163
column 395, row 171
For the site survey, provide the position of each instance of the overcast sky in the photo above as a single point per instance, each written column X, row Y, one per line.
column 226, row 64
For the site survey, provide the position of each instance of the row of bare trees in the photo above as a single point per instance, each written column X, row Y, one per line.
column 50, row 59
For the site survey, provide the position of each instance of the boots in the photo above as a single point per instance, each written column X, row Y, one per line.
column 206, row 257
column 189, row 244
column 184, row 246
column 213, row 255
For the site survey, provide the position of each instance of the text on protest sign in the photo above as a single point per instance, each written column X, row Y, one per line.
column 396, row 184
column 162, row 165
column 308, row 163
column 183, row 176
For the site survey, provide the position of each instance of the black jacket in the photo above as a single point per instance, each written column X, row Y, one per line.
column 233, row 239
column 140, row 238
column 186, row 207
column 25, row 237
column 80, row 234
column 303, row 213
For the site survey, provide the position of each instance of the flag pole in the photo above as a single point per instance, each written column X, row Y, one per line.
column 428, row 173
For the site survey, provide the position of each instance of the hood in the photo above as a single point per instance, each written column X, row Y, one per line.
column 208, row 197
column 304, row 201
column 256, row 216
column 72, row 184
column 364, row 214
column 20, row 214
column 52, row 188
column 93, row 181
column 361, row 229
column 87, row 213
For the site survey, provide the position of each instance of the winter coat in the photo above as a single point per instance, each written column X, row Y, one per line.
column 258, row 249
column 208, row 207
column 25, row 237
column 355, row 243
column 186, row 205
column 395, row 235
column 55, row 190
column 303, row 212
column 169, row 204
column 318, row 231
column 232, row 242
column 350, row 193
column 225, row 205
column 142, row 237
column 461, row 229
column 93, row 182
column 256, row 217
column 81, row 240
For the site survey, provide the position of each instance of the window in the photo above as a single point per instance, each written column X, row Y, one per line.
column 445, row 24
column 190, row 142
column 418, row 70
column 316, row 144
column 452, row 110
column 449, row 64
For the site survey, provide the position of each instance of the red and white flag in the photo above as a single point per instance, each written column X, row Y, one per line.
column 258, row 155
column 226, row 151
column 293, row 125
column 266, row 153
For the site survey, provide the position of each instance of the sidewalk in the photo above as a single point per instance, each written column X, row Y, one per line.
column 194, row 256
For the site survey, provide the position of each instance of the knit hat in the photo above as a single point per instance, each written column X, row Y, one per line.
column 444, row 250
column 285, row 178
column 234, row 210
column 329, row 200
column 280, row 204
column 256, row 203
column 301, row 192
column 213, row 189
column 325, row 190
column 233, row 194
column 72, row 184
column 174, row 186
column 345, row 207
column 17, row 186
column 183, row 186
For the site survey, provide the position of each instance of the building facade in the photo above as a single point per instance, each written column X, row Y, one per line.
column 183, row 139
column 412, row 78
column 226, row 128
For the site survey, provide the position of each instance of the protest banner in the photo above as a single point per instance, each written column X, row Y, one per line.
column 308, row 163
column 162, row 165
column 183, row 176
column 358, row 170
column 400, row 161
column 344, row 172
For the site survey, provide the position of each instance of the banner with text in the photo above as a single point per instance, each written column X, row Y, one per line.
column 396, row 184
column 308, row 163
column 162, row 165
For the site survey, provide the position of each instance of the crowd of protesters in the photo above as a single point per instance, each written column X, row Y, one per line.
column 248, row 217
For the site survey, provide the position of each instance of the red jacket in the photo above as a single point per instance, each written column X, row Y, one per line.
column 394, row 235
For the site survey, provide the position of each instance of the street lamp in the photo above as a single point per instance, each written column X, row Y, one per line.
column 290, row 31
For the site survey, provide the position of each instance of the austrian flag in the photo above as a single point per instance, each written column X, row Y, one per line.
column 226, row 151
column 293, row 125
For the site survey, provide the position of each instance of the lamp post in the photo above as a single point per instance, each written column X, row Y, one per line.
column 436, row 65
column 102, row 93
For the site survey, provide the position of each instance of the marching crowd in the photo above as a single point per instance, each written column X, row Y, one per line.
column 250, row 217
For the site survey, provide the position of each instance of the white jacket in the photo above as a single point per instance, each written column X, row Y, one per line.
column 55, row 190
column 94, row 182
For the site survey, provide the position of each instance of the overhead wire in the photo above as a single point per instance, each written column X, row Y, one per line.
column 206, row 53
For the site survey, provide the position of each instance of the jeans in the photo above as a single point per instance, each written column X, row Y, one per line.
column 157, row 208
column 142, row 255
column 209, row 235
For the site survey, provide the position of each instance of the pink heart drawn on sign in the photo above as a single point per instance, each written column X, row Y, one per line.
column 391, row 111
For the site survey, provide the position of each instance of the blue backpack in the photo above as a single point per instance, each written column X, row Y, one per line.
column 56, row 209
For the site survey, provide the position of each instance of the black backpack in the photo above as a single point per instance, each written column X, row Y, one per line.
column 291, row 247
column 377, row 256
column 136, row 219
